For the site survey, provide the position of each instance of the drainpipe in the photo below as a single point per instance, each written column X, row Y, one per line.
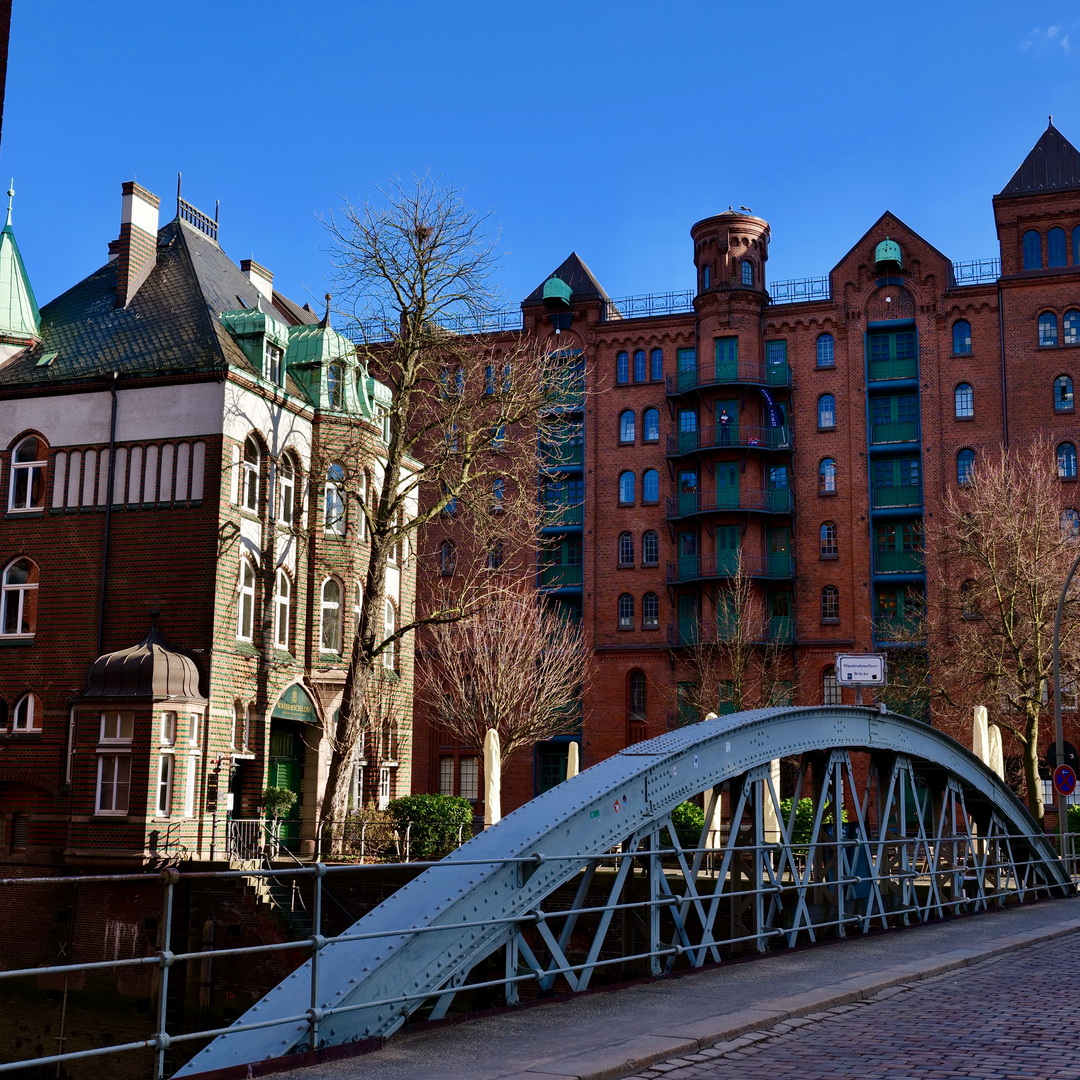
column 1004, row 389
column 108, row 518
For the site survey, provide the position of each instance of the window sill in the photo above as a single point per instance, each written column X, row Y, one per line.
column 626, row 442
column 625, row 566
column 830, row 622
column 963, row 419
column 14, row 641
column 828, row 558
column 624, row 629
column 116, row 815
column 28, row 512
column 1067, row 479
column 651, row 442
column 650, row 502
column 651, row 628
column 627, row 504
column 649, row 565
column 831, row 427
column 826, row 494
column 245, row 648
column 824, row 367
column 30, row 735
column 1063, row 412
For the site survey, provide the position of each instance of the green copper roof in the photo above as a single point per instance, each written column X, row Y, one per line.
column 19, row 315
column 252, row 321
column 318, row 344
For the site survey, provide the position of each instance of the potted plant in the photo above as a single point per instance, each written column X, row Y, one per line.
column 277, row 802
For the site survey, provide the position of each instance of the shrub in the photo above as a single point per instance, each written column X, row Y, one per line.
column 804, row 819
column 436, row 822
column 278, row 801
column 689, row 820
column 367, row 832
column 1072, row 819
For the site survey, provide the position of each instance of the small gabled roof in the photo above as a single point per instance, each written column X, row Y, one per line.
column 1052, row 165
column 583, row 285
column 19, row 316
column 889, row 221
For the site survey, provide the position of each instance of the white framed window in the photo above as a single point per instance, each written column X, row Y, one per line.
column 245, row 607
column 333, row 501
column 19, row 599
column 282, row 600
column 27, row 491
column 286, row 490
column 389, row 626
column 385, row 779
column 469, row 778
column 113, row 783
column 250, row 474
column 168, row 729
column 335, row 386
column 330, row 628
column 117, row 727
column 189, row 785
column 164, row 785
column 275, row 364
column 194, row 727
column 358, row 604
column 446, row 775
column 27, row 716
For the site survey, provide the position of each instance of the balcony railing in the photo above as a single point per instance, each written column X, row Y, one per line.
column 556, row 516
column 894, row 431
column 745, row 435
column 725, row 564
column 976, row 272
column 686, row 632
column 770, row 501
column 560, row 576
column 648, row 304
column 898, row 628
column 561, row 455
column 899, row 562
column 567, row 394
column 781, row 628
column 729, row 372
column 796, row 290
column 889, row 495
column 880, row 370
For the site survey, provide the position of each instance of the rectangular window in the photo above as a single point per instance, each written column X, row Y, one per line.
column 114, row 783
column 165, row 782
column 168, row 728
column 275, row 364
column 469, row 778
column 194, row 729
column 117, row 727
column 446, row 776
column 776, row 352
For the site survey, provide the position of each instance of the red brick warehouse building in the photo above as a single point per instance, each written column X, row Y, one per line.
column 800, row 429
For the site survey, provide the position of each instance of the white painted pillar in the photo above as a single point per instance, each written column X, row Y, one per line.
column 771, row 823
column 573, row 760
column 980, row 738
column 492, row 778
column 996, row 762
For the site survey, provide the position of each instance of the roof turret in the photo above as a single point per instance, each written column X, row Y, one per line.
column 151, row 669
column 20, row 320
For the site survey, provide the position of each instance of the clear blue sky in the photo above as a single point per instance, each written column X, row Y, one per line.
column 605, row 128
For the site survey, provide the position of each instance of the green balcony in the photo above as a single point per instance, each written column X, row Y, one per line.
column 778, row 375
column 781, row 628
column 890, row 495
column 779, row 564
column 556, row 516
column 563, row 455
column 560, row 576
column 893, row 368
column 894, row 431
column 898, row 628
column 566, row 394
column 899, row 562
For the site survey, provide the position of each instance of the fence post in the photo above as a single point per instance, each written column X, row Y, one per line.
column 317, row 942
column 170, row 875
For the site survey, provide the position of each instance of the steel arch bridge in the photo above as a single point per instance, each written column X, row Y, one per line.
column 928, row 831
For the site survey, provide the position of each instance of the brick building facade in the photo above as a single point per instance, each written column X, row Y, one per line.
column 806, row 427
column 183, row 456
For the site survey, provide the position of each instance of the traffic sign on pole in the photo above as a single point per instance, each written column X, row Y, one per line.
column 1064, row 780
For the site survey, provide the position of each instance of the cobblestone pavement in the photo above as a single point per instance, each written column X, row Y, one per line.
column 1014, row 1016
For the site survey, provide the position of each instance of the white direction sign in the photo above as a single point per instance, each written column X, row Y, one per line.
column 863, row 669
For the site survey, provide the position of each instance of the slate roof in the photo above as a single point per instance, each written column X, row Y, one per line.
column 583, row 285
column 1052, row 165
column 294, row 314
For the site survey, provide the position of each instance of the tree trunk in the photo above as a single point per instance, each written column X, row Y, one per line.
column 1031, row 767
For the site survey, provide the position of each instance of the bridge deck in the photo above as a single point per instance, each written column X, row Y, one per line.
column 620, row 1032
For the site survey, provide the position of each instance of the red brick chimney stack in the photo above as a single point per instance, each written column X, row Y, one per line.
column 137, row 246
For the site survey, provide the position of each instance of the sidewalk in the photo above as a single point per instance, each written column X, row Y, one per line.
column 619, row 1032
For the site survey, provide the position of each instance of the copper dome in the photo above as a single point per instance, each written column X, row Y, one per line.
column 150, row 669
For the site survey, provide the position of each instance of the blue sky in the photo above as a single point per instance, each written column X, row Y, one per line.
column 605, row 128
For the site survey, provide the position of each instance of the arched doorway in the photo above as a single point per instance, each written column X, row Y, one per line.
column 295, row 732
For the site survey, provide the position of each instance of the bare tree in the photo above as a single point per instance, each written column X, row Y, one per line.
column 464, row 418
column 1001, row 550
column 739, row 659
column 515, row 664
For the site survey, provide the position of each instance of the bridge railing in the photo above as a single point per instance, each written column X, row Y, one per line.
column 834, row 864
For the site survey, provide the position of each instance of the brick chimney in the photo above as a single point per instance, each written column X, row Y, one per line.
column 137, row 246
column 260, row 277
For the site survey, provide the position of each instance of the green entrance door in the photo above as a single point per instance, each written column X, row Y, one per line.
column 287, row 771
column 688, row 556
column 688, row 620
column 780, row 552
column 688, row 438
column 727, row 485
column 727, row 548
column 688, row 492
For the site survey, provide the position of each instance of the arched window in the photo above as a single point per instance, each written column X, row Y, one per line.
column 495, row 554
column 335, row 386
column 961, row 337
column 1063, row 394
column 28, row 475
column 830, row 686
column 286, row 489
column 1055, row 247
column 626, row 488
column 637, row 696
column 333, row 500
column 330, row 620
column 830, row 604
column 498, row 493
column 705, row 277
column 251, row 475
column 656, row 361
column 828, row 540
column 826, row 350
column 650, row 486
column 650, row 549
column 19, row 600
column 622, row 368
column 1070, row 523
column 389, row 627
column 626, row 611
column 1032, row 250
column 827, row 477
column 626, row 549
column 826, row 412
column 965, row 462
column 639, row 366
column 282, row 600
column 969, row 605
column 1048, row 328
column 1066, row 461
column 650, row 425
column 747, row 272
column 245, row 608
column 626, row 426
column 964, row 401
column 447, row 558
column 650, row 611
column 1071, row 327
column 28, row 714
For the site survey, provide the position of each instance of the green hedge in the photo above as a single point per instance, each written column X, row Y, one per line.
column 436, row 821
column 689, row 820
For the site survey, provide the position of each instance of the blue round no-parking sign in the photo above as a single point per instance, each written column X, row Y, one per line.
column 1064, row 780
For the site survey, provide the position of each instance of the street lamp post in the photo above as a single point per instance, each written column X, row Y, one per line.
column 1059, row 756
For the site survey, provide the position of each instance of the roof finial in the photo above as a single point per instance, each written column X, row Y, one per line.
column 1050, row 118
column 326, row 317
column 10, row 196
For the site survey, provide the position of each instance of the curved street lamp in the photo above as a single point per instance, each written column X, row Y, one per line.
column 1059, row 757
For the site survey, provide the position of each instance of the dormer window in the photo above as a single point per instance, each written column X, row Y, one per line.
column 335, row 386
column 275, row 364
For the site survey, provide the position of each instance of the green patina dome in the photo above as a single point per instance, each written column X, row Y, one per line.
column 556, row 294
column 888, row 251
